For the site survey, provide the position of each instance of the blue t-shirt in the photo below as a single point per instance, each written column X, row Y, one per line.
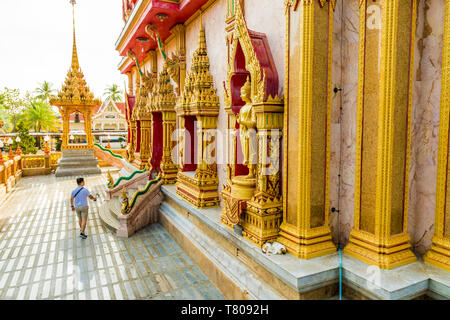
column 81, row 198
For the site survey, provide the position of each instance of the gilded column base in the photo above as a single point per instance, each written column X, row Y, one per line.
column 314, row 243
column 169, row 174
column 439, row 253
column 260, row 217
column 140, row 163
column 261, row 220
column 201, row 192
column 366, row 247
column 232, row 211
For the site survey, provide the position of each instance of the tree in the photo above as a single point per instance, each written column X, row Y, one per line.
column 44, row 91
column 113, row 92
column 4, row 121
column 13, row 105
column 39, row 115
column 27, row 143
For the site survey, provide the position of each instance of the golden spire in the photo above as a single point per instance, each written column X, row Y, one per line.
column 75, row 64
column 202, row 37
column 75, row 91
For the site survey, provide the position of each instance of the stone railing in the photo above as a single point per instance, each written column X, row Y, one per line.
column 127, row 182
column 10, row 173
column 54, row 157
column 142, row 210
column 109, row 157
column 36, row 164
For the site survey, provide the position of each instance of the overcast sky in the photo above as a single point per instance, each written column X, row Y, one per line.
column 36, row 42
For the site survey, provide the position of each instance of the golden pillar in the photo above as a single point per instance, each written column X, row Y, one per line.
column 387, row 30
column 133, row 141
column 439, row 253
column 146, row 129
column 177, row 65
column 130, row 83
column 164, row 124
column 169, row 169
column 309, row 32
column 88, row 128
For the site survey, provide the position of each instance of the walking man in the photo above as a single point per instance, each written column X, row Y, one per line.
column 79, row 196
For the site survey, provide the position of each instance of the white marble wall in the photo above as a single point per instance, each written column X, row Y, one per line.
column 343, row 131
column 425, row 122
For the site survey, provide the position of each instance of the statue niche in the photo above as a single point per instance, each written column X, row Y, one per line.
column 252, row 194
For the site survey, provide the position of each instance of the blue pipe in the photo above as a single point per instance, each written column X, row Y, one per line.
column 340, row 274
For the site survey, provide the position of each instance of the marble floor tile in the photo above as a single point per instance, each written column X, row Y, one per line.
column 43, row 257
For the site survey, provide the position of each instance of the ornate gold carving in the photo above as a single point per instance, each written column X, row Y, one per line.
column 199, row 98
column 110, row 180
column 125, row 202
column 142, row 113
column 439, row 253
column 163, row 100
column 241, row 35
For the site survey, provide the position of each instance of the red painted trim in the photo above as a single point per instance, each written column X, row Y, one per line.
column 177, row 13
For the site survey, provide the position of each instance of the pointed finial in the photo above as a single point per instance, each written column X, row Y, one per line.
column 75, row 65
column 202, row 37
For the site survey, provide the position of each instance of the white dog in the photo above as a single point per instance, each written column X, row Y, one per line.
column 273, row 248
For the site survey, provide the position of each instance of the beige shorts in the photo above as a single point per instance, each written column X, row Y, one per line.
column 82, row 212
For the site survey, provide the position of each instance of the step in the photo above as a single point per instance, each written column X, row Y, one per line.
column 115, row 206
column 78, row 158
column 78, row 163
column 78, row 153
column 108, row 218
column 65, row 172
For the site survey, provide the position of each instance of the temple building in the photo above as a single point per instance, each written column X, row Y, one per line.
column 109, row 116
column 296, row 139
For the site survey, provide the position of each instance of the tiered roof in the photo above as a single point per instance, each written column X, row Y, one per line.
column 199, row 96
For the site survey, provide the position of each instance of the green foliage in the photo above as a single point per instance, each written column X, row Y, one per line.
column 11, row 104
column 113, row 92
column 39, row 115
column 44, row 91
column 27, row 142
column 4, row 118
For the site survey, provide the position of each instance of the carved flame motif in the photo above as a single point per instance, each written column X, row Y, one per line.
column 144, row 92
column 233, row 210
column 242, row 36
column 163, row 97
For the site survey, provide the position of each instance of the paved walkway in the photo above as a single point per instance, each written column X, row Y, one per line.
column 42, row 256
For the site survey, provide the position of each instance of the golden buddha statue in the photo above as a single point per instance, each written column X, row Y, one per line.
column 244, row 186
column 247, row 123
